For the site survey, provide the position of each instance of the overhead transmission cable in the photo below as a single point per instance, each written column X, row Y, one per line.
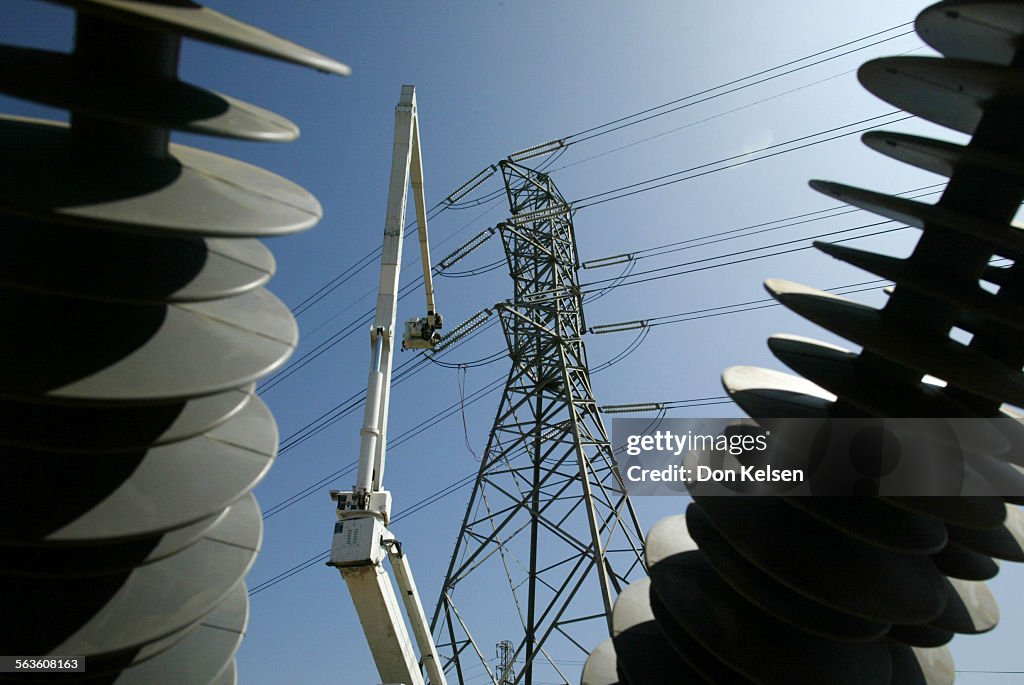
column 427, row 501
column 746, row 231
column 325, row 420
column 588, row 201
column 452, row 201
column 355, row 401
column 645, row 324
column 416, row 364
column 704, row 170
column 580, row 136
column 802, row 243
column 409, row 434
column 723, row 310
column 641, row 116
column 367, row 316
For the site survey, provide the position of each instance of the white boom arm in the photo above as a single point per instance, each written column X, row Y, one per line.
column 361, row 537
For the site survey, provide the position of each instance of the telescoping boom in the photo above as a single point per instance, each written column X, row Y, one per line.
column 361, row 538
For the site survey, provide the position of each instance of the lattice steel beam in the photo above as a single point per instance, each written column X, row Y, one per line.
column 548, row 490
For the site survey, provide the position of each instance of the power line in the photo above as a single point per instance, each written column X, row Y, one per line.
column 416, row 430
column 404, row 370
column 617, row 193
column 738, row 88
column 581, row 203
column 635, row 279
column 441, row 206
column 427, row 501
column 348, row 406
column 330, row 417
column 744, row 78
column 735, row 233
column 722, row 310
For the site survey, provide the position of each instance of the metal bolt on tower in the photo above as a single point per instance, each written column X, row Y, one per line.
column 548, row 504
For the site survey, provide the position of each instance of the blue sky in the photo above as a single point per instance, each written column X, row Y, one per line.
column 492, row 78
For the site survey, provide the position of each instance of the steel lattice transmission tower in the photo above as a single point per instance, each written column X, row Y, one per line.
column 548, row 505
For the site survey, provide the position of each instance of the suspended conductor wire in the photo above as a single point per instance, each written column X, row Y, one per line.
column 479, row 271
column 612, row 285
column 480, row 201
column 583, row 135
column 703, row 170
column 476, row 363
column 722, row 310
column 343, row 409
column 350, row 328
column 500, row 192
column 432, row 498
column 358, row 266
column 697, row 122
column 441, row 206
column 404, row 370
column 355, row 401
column 332, row 341
column 643, row 407
column 734, row 262
column 444, row 492
column 629, row 349
column 411, row 433
column 734, row 234
column 746, row 231
column 285, row 575
column 461, row 378
column 715, row 116
column 369, row 258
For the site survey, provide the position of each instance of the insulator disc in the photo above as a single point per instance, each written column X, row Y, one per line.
column 766, row 392
column 65, row 81
column 109, row 614
column 876, row 522
column 46, row 178
column 958, row 364
column 136, row 495
column 125, row 267
column 762, row 648
column 644, row 655
column 861, row 579
column 202, row 23
column 983, row 31
column 943, row 158
column 773, row 597
column 599, row 668
column 117, row 428
column 72, row 350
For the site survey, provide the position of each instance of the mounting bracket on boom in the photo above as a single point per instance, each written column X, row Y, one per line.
column 361, row 540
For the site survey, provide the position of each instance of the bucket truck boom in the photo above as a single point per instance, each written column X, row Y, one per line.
column 361, row 538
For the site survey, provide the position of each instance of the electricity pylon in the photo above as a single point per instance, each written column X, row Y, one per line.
column 548, row 501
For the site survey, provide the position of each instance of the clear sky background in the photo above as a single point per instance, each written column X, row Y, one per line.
column 493, row 78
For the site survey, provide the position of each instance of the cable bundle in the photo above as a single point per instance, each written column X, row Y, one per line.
column 135, row 326
column 802, row 590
